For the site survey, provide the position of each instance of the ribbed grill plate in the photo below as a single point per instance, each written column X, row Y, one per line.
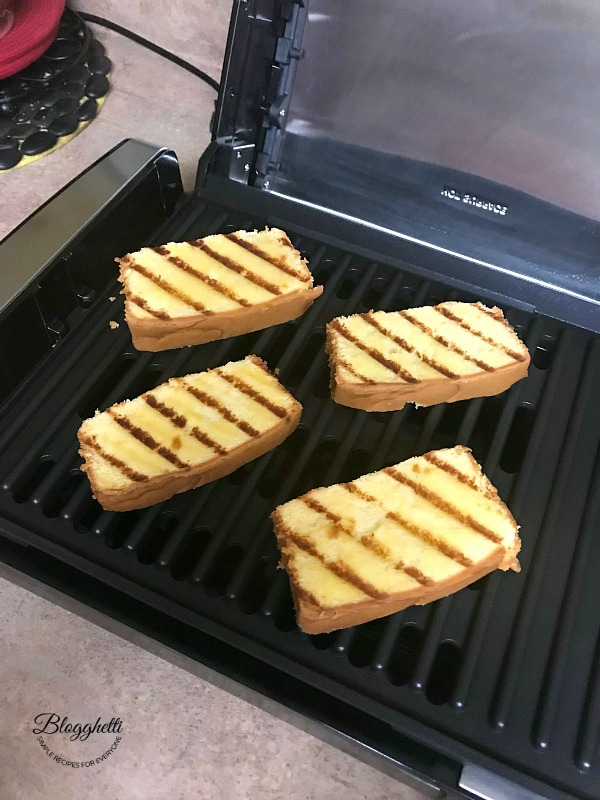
column 509, row 667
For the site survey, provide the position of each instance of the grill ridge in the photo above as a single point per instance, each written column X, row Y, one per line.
column 587, row 742
column 549, row 698
column 483, row 610
column 507, row 682
column 435, row 625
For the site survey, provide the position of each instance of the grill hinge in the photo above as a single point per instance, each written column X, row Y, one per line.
column 288, row 51
column 234, row 161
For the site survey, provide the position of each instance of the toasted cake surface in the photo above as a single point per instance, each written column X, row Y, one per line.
column 405, row 535
column 185, row 432
column 433, row 354
column 222, row 285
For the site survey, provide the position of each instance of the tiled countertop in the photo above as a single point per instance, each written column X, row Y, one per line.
column 183, row 738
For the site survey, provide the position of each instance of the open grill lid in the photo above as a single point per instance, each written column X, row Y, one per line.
column 471, row 130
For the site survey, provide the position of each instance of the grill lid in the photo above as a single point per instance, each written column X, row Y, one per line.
column 472, row 130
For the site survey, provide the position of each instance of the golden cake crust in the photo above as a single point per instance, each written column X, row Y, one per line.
column 313, row 619
column 419, row 366
column 154, row 335
column 189, row 293
column 162, row 487
column 184, row 434
column 429, row 561
column 394, row 396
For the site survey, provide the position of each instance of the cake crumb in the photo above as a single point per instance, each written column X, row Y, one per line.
column 277, row 370
column 113, row 324
column 112, row 299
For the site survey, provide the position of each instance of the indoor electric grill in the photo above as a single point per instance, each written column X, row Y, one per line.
column 415, row 154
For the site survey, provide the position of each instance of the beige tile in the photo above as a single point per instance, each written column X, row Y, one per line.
column 195, row 30
column 182, row 737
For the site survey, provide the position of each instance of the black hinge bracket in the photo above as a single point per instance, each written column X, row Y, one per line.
column 288, row 51
column 234, row 160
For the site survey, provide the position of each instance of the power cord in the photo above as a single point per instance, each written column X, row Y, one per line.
column 112, row 26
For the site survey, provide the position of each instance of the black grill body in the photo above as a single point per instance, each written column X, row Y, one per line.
column 504, row 674
column 493, row 692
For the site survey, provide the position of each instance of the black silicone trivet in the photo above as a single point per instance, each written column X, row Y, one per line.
column 53, row 98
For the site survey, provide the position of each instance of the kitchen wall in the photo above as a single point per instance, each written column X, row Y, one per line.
column 195, row 30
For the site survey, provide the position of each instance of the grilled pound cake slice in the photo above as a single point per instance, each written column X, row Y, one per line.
column 185, row 433
column 403, row 536
column 435, row 354
column 224, row 285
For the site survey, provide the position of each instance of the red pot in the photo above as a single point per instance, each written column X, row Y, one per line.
column 27, row 29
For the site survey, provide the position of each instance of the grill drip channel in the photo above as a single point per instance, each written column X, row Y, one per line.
column 508, row 667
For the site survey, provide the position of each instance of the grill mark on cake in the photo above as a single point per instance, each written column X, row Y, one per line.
column 203, row 437
column 181, row 422
column 279, row 411
column 446, row 342
column 341, row 362
column 338, row 568
column 408, row 347
column 236, row 267
column 208, row 400
column 279, row 263
column 166, row 411
column 421, row 533
column 377, row 547
column 495, row 313
column 338, row 360
column 459, row 321
column 415, row 573
column 321, row 509
column 147, row 440
column 201, row 276
column 371, row 351
column 369, row 541
column 139, row 301
column 443, row 505
column 452, row 470
column 453, row 553
column 168, row 287
column 130, row 473
column 305, row 595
